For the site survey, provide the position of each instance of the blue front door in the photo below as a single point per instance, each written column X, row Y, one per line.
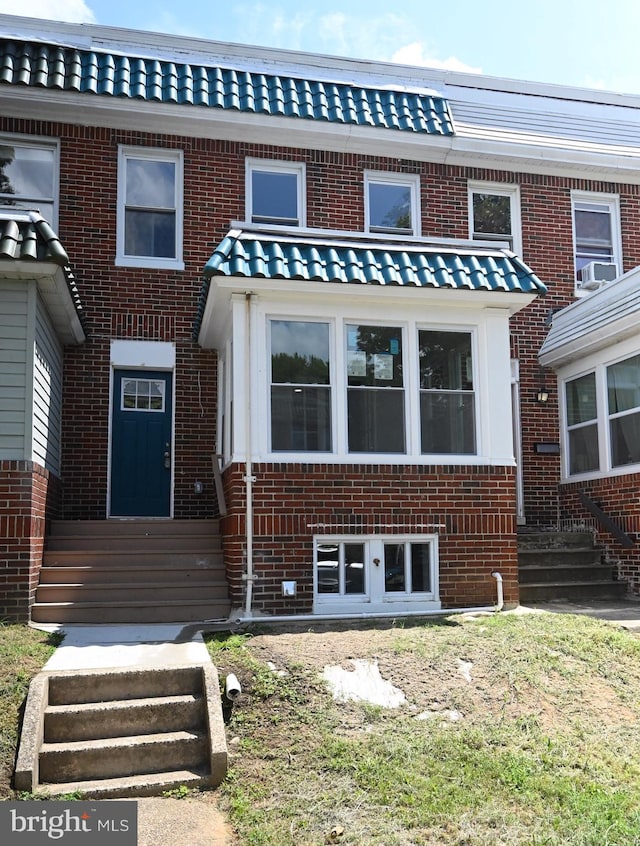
column 141, row 445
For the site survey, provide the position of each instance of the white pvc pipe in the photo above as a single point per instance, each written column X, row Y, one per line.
column 498, row 577
column 248, row 471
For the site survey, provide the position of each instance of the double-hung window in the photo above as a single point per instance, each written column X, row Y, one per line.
column 392, row 204
column 29, row 176
column 447, row 398
column 494, row 214
column 275, row 193
column 150, row 196
column 375, row 389
column 300, row 386
column 596, row 230
column 582, row 424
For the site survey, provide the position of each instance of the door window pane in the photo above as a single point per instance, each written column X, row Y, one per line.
column 375, row 395
column 420, row 568
column 300, row 386
column 142, row 395
column 394, row 568
column 340, row 568
column 447, row 397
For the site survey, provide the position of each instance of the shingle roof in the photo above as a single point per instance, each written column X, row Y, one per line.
column 26, row 236
column 254, row 255
column 32, row 64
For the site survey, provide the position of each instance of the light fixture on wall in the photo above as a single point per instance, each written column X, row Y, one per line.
column 542, row 395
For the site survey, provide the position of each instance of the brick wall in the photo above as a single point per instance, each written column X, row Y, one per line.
column 29, row 496
column 618, row 497
column 472, row 509
column 160, row 305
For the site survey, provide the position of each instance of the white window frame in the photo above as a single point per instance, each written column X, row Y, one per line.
column 407, row 180
column 176, row 157
column 500, row 189
column 298, row 169
column 612, row 202
column 38, row 142
column 595, row 363
column 486, row 452
column 375, row 598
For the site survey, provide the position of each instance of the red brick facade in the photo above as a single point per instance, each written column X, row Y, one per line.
column 475, row 505
column 29, row 496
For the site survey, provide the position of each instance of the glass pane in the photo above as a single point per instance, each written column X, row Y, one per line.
column 300, row 419
column 151, row 234
column 27, row 171
column 375, row 420
column 328, row 567
column 390, row 207
column 445, row 360
column 491, row 214
column 625, row 440
column 583, row 449
column 274, row 197
column 420, row 568
column 299, row 352
column 354, row 568
column 374, row 356
column 447, row 423
column 151, row 184
column 394, row 569
column 623, row 383
column 593, row 227
column 581, row 399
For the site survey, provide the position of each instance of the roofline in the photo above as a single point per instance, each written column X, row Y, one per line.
column 378, row 73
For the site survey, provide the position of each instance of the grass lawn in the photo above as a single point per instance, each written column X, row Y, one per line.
column 518, row 729
column 23, row 652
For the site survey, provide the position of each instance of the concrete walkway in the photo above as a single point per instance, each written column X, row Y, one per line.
column 193, row 821
column 624, row 613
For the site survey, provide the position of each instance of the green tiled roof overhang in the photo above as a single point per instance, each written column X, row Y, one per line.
column 481, row 270
column 28, row 237
column 244, row 254
column 69, row 69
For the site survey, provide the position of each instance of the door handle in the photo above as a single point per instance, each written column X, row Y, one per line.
column 167, row 457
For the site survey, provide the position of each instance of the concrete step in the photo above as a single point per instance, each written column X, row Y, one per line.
column 533, row 574
column 187, row 611
column 135, row 526
column 114, row 557
column 76, row 688
column 119, row 718
column 108, row 593
column 126, row 574
column 572, row 556
column 554, row 540
column 131, row 543
column 118, row 756
column 149, row 784
column 548, row 591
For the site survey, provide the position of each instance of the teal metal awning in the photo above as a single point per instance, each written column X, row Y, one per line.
column 248, row 254
column 37, row 65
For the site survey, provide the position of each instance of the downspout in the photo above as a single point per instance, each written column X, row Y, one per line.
column 249, row 478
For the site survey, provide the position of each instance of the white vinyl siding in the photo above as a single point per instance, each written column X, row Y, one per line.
column 47, row 393
column 13, row 369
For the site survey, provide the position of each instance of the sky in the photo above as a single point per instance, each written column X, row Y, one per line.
column 585, row 43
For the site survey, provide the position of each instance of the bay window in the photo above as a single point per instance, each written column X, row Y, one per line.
column 623, row 393
column 582, row 424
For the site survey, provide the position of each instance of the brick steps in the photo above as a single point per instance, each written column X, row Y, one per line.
column 132, row 571
column 564, row 565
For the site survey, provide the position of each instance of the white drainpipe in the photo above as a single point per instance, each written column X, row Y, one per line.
column 249, row 478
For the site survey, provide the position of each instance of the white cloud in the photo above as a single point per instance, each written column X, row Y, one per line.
column 71, row 11
column 415, row 54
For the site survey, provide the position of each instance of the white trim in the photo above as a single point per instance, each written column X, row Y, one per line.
column 501, row 189
column 612, row 202
column 375, row 599
column 298, row 169
column 176, row 157
column 409, row 180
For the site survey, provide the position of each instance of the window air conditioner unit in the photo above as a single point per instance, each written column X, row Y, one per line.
column 596, row 273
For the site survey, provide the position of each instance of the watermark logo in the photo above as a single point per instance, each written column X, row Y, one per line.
column 35, row 823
